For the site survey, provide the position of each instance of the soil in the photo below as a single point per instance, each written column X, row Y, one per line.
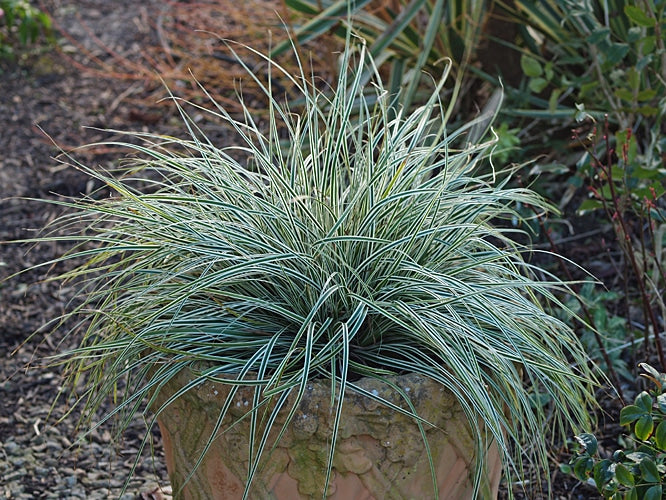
column 52, row 100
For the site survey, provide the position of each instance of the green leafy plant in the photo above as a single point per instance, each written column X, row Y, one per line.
column 507, row 143
column 593, row 58
column 612, row 330
column 328, row 245
column 603, row 63
column 638, row 470
column 20, row 21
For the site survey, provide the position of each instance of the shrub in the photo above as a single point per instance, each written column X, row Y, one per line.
column 604, row 63
column 629, row 192
column 638, row 469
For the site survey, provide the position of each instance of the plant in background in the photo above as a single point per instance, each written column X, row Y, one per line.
column 618, row 345
column 340, row 246
column 631, row 195
column 20, row 21
column 413, row 36
column 594, row 58
column 637, row 471
column 605, row 61
column 507, row 143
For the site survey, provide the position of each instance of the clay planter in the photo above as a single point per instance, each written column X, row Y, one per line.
column 379, row 453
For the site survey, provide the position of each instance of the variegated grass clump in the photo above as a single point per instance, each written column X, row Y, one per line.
column 351, row 241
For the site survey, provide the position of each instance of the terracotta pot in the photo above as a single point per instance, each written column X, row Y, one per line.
column 379, row 454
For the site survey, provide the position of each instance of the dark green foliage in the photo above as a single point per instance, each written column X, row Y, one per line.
column 594, row 58
column 637, row 470
column 636, row 179
column 612, row 328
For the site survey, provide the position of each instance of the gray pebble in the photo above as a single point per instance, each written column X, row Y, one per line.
column 13, row 488
column 41, row 471
column 52, row 445
column 12, row 448
column 16, row 474
column 77, row 492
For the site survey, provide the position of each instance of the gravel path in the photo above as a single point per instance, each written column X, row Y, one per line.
column 39, row 456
